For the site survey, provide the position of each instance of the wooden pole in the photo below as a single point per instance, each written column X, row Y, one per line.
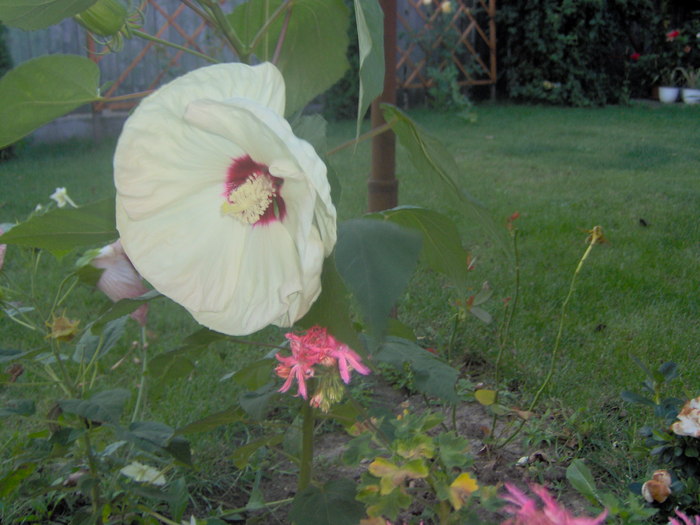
column 382, row 187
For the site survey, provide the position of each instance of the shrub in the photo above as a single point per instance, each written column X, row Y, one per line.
column 5, row 65
column 583, row 53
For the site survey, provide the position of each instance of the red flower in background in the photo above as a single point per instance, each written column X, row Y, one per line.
column 635, row 56
column 672, row 35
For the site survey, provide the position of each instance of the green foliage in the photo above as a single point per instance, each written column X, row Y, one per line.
column 312, row 25
column 42, row 89
column 574, row 53
column 38, row 14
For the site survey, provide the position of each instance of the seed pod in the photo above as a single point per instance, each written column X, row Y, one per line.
column 103, row 18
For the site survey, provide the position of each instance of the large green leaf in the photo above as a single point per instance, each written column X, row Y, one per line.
column 332, row 309
column 376, row 260
column 432, row 159
column 63, row 229
column 370, row 35
column 42, row 89
column 442, row 245
column 38, row 14
column 312, row 56
column 104, row 407
column 431, row 375
column 331, row 504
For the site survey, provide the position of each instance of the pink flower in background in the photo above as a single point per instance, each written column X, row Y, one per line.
column 527, row 511
column 635, row 56
column 684, row 519
column 120, row 280
column 316, row 347
column 672, row 35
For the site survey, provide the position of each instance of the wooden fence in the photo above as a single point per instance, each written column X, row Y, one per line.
column 430, row 40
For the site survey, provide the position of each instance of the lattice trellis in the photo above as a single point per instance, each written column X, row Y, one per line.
column 429, row 37
column 166, row 20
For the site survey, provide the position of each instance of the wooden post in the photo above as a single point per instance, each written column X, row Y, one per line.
column 382, row 187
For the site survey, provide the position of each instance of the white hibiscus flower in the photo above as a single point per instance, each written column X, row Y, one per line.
column 219, row 206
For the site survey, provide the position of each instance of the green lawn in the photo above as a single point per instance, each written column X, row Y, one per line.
column 635, row 171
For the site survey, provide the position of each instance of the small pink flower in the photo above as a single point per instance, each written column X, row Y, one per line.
column 635, row 56
column 120, row 280
column 672, row 35
column 684, row 519
column 527, row 511
column 316, row 347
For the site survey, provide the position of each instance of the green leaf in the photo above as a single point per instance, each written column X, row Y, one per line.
column 633, row 397
column 431, row 375
column 453, row 450
column 581, row 479
column 42, row 89
column 13, row 480
column 225, row 417
column 38, row 14
column 105, row 406
column 442, row 245
column 431, row 158
column 18, row 407
column 331, row 504
column 255, row 403
column 376, row 260
column 370, row 36
column 311, row 128
column 332, row 309
column 122, row 308
column 255, row 375
column 242, row 454
column 63, row 229
column 92, row 346
column 312, row 57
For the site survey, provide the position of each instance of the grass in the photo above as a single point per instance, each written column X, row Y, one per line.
column 632, row 170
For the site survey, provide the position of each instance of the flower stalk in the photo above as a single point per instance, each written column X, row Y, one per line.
column 307, row 446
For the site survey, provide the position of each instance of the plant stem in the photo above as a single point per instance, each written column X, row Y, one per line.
column 595, row 238
column 307, row 446
column 144, row 367
column 95, row 489
column 152, row 38
column 505, row 327
column 221, row 23
column 365, row 136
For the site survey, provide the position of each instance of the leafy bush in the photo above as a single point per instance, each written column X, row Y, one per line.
column 584, row 53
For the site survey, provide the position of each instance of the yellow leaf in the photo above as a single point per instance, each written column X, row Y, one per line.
column 461, row 488
column 485, row 397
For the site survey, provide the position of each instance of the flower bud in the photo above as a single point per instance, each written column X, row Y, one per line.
column 103, row 18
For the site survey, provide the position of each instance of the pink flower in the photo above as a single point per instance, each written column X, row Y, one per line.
column 3, row 248
column 672, row 35
column 120, row 280
column 635, row 56
column 316, row 347
column 684, row 519
column 527, row 511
